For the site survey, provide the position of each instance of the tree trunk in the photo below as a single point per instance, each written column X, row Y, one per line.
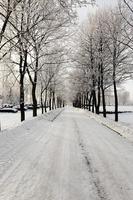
column 98, row 97
column 42, row 107
column 116, row 101
column 103, row 102
column 45, row 102
column 53, row 101
column 34, row 100
column 94, row 101
column 60, row 103
column 21, row 72
column 80, row 100
column 57, row 101
column 103, row 92
column 84, row 101
column 90, row 101
column 22, row 111
column 114, row 84
column 34, row 84
column 50, row 100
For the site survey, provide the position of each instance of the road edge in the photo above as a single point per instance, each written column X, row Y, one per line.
column 117, row 127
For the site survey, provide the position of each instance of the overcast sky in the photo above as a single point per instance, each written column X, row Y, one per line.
column 106, row 2
column 83, row 12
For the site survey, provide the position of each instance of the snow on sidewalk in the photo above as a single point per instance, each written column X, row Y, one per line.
column 42, row 160
column 118, row 127
column 71, row 158
column 12, row 120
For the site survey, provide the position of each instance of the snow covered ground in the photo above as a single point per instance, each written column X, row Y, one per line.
column 120, row 128
column 71, row 158
column 121, row 108
column 11, row 120
column 125, row 118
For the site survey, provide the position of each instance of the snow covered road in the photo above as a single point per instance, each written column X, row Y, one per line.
column 71, row 158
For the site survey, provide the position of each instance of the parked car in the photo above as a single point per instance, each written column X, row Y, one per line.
column 7, row 105
column 8, row 110
column 38, row 106
column 18, row 107
column 30, row 106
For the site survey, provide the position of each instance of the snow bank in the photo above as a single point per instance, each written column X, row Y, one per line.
column 49, row 117
column 121, row 108
column 118, row 127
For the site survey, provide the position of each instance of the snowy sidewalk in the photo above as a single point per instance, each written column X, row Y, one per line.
column 69, row 158
column 118, row 127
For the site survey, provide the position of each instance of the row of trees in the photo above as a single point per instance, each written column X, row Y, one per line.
column 31, row 46
column 104, row 57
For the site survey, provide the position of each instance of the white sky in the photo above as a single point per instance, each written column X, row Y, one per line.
column 84, row 12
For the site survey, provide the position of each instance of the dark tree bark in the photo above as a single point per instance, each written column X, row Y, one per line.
column 84, row 101
column 103, row 101
column 50, row 108
column 22, row 111
column 53, row 100
column 90, row 100
column 98, row 97
column 57, row 100
column 114, row 81
column 34, row 100
column 103, row 93
column 34, row 85
column 94, row 101
column 22, row 71
column 45, row 102
column 116, row 102
column 42, row 106
column 102, row 77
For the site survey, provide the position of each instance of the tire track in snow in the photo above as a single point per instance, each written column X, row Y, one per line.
column 96, row 182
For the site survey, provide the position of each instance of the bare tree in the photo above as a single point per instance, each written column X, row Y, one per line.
column 102, row 57
column 6, row 10
column 27, row 28
column 42, row 36
column 51, row 66
column 118, row 52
